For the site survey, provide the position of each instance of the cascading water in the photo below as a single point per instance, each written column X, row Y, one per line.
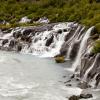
column 82, row 48
column 45, row 43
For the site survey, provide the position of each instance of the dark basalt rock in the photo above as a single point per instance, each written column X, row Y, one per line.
column 17, row 35
column 81, row 96
column 19, row 48
column 85, row 96
column 23, row 37
column 12, row 43
column 26, row 32
column 49, row 41
column 68, row 84
column 29, row 39
column 68, row 36
column 95, row 36
column 64, row 49
column 59, row 31
column 4, row 41
column 74, row 97
column 84, row 85
column 95, row 69
column 74, row 50
column 64, row 30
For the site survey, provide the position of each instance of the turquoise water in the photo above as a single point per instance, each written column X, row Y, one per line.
column 26, row 77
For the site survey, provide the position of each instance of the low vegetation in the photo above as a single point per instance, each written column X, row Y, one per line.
column 96, row 48
column 83, row 11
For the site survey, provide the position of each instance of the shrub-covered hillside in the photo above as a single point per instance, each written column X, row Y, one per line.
column 84, row 11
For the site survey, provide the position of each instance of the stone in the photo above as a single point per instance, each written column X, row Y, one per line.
column 85, row 96
column 84, row 85
column 4, row 41
column 26, row 32
column 12, row 43
column 19, row 48
column 68, row 84
column 59, row 31
column 60, row 59
column 17, row 35
column 49, row 41
column 74, row 97
column 74, row 50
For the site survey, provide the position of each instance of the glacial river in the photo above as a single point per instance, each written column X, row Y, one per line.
column 26, row 77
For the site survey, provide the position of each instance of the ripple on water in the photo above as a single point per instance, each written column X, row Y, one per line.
column 9, row 88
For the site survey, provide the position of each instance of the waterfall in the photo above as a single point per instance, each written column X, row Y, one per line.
column 82, row 48
column 88, row 70
column 68, row 53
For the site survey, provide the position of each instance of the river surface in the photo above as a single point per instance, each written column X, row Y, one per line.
column 26, row 77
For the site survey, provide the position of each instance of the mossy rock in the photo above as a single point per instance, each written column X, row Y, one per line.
column 60, row 59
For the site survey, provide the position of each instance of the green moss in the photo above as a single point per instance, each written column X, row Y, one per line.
column 60, row 59
column 96, row 48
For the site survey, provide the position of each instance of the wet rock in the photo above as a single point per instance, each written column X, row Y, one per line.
column 72, row 76
column 17, row 35
column 23, row 37
column 68, row 84
column 68, row 36
column 26, row 32
column 12, row 43
column 74, row 97
column 64, row 49
column 95, row 36
column 4, row 41
column 74, row 50
column 49, row 41
column 59, row 31
column 29, row 39
column 85, row 96
column 64, row 30
column 60, row 59
column 84, row 85
column 97, row 80
column 19, row 48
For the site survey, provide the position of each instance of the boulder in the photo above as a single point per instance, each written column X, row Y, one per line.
column 74, row 97
column 19, row 48
column 60, row 59
column 84, row 85
column 4, row 41
column 12, row 43
column 59, row 31
column 49, row 41
column 85, row 96
column 26, row 32
column 17, row 35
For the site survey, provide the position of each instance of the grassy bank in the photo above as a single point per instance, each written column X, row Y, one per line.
column 83, row 11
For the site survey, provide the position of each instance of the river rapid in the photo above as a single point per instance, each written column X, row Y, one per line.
column 26, row 77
